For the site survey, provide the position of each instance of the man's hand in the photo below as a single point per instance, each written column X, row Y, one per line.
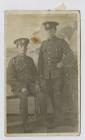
column 59, row 65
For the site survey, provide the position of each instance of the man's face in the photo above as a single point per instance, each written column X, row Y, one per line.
column 51, row 32
column 22, row 49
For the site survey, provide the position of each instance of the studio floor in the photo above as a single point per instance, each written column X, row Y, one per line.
column 14, row 125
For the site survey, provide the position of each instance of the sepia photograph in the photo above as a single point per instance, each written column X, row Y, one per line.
column 42, row 72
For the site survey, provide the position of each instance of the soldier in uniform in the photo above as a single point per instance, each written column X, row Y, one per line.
column 21, row 76
column 53, row 53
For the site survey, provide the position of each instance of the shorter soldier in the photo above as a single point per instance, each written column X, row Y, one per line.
column 21, row 76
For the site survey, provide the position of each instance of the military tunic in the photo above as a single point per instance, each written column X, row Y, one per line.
column 51, row 53
column 21, row 73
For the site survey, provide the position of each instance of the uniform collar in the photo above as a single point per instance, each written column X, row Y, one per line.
column 53, row 37
column 22, row 57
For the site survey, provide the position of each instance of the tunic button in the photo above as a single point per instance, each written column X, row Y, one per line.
column 48, row 58
column 49, row 52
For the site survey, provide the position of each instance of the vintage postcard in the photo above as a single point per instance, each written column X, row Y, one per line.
column 42, row 68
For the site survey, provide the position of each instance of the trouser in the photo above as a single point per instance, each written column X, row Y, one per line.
column 51, row 89
column 24, row 107
column 23, row 104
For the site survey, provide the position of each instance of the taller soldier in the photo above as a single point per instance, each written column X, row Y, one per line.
column 53, row 52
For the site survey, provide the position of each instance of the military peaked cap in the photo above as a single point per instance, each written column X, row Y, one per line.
column 50, row 24
column 24, row 41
